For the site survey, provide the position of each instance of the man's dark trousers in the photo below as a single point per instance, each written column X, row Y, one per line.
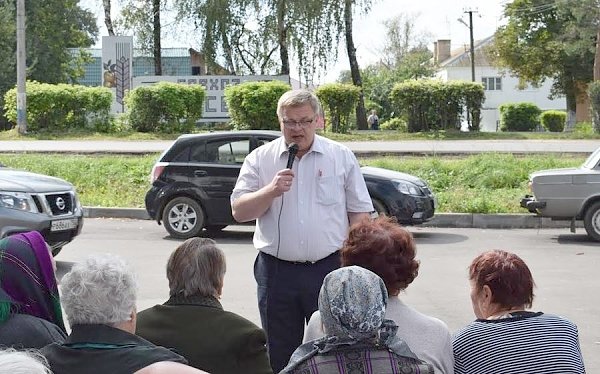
column 288, row 294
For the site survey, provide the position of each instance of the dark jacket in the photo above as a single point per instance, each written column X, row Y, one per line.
column 211, row 338
column 25, row 331
column 101, row 349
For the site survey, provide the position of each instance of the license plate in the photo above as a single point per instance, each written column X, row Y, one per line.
column 63, row 224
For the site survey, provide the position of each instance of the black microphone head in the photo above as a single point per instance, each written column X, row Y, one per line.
column 293, row 148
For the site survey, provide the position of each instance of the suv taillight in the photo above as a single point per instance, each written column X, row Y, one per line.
column 157, row 170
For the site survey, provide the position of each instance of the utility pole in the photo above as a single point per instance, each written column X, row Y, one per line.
column 21, row 69
column 470, row 11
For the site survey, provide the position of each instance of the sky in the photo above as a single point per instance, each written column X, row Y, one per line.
column 438, row 18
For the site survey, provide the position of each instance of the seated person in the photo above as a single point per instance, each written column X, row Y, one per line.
column 22, row 362
column 99, row 297
column 30, row 314
column 389, row 250
column 507, row 338
column 358, row 338
column 193, row 321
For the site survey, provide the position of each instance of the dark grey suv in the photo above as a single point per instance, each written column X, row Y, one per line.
column 193, row 179
column 30, row 201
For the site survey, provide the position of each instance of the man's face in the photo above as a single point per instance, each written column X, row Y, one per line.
column 298, row 126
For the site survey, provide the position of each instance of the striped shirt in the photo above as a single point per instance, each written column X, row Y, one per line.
column 526, row 343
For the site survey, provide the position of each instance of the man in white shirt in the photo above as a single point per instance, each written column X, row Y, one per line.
column 302, row 218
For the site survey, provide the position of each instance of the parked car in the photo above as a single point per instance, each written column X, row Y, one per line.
column 193, row 180
column 568, row 194
column 30, row 201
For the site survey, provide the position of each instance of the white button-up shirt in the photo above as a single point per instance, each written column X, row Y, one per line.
column 314, row 222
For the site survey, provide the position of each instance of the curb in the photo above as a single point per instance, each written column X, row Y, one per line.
column 458, row 220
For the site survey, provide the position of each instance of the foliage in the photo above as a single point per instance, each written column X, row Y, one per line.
column 394, row 124
column 553, row 120
column 165, row 107
column 253, row 105
column 56, row 107
column 519, row 117
column 435, row 105
column 594, row 94
column 339, row 101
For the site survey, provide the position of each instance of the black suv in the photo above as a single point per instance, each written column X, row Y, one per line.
column 193, row 180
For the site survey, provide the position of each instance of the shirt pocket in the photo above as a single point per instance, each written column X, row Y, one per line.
column 329, row 190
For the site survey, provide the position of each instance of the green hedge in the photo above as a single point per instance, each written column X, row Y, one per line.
column 519, row 117
column 56, row 107
column 436, row 105
column 253, row 105
column 397, row 124
column 339, row 100
column 594, row 93
column 553, row 120
column 165, row 107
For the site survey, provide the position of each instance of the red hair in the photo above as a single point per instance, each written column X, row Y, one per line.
column 385, row 248
column 506, row 274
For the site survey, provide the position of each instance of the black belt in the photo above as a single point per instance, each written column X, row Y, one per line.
column 336, row 253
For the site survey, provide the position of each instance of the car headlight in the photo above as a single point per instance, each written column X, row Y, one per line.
column 17, row 200
column 407, row 188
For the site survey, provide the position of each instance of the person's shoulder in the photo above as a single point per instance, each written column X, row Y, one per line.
column 556, row 320
column 238, row 322
column 426, row 322
column 332, row 145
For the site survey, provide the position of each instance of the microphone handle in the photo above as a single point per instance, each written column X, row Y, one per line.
column 291, row 158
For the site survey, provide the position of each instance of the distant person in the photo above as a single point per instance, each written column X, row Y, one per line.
column 193, row 321
column 389, row 250
column 373, row 120
column 99, row 297
column 302, row 217
column 358, row 339
column 507, row 338
column 23, row 362
column 30, row 313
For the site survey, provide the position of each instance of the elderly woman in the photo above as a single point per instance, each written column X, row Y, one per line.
column 389, row 251
column 22, row 362
column 358, row 339
column 30, row 314
column 193, row 321
column 99, row 297
column 507, row 338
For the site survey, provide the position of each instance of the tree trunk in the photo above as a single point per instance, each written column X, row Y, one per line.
column 571, row 93
column 228, row 51
column 361, row 115
column 282, row 36
column 156, row 37
column 597, row 57
column 107, row 19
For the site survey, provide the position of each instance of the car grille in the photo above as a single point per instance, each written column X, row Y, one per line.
column 60, row 204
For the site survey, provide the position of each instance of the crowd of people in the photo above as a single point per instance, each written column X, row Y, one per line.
column 329, row 284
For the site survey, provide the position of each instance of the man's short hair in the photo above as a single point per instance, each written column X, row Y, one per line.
column 100, row 290
column 296, row 98
column 196, row 267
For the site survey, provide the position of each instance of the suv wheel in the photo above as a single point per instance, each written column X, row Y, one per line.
column 183, row 218
column 591, row 221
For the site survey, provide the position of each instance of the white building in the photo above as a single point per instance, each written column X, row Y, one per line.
column 500, row 87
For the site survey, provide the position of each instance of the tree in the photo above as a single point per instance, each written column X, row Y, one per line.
column 106, row 4
column 143, row 17
column 550, row 40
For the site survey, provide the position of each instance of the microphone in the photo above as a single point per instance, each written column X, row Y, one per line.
column 292, row 150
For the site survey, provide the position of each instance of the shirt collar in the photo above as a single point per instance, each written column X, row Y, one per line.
column 200, row 300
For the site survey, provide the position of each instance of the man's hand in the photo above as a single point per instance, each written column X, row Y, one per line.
column 282, row 182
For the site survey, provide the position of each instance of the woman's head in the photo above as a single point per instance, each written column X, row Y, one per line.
column 500, row 281
column 27, row 280
column 196, row 267
column 352, row 303
column 385, row 248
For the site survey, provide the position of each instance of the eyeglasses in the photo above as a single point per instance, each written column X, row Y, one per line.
column 289, row 124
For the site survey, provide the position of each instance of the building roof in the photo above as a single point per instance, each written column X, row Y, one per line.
column 460, row 57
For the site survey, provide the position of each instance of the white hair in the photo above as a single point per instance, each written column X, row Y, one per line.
column 100, row 290
column 29, row 361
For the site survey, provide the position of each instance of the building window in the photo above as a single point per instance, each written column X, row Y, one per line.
column 492, row 83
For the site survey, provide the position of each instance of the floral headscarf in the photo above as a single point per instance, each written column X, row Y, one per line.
column 27, row 280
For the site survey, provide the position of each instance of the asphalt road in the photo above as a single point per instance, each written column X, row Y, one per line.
column 565, row 267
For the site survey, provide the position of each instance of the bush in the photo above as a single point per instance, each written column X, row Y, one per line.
column 253, row 105
column 339, row 100
column 554, row 120
column 394, row 124
column 519, row 117
column 165, row 107
column 594, row 93
column 56, row 107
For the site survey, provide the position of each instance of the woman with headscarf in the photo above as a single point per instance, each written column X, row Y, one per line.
column 30, row 312
column 358, row 339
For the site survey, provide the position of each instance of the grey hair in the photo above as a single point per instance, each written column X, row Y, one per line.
column 295, row 98
column 196, row 267
column 30, row 361
column 100, row 290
